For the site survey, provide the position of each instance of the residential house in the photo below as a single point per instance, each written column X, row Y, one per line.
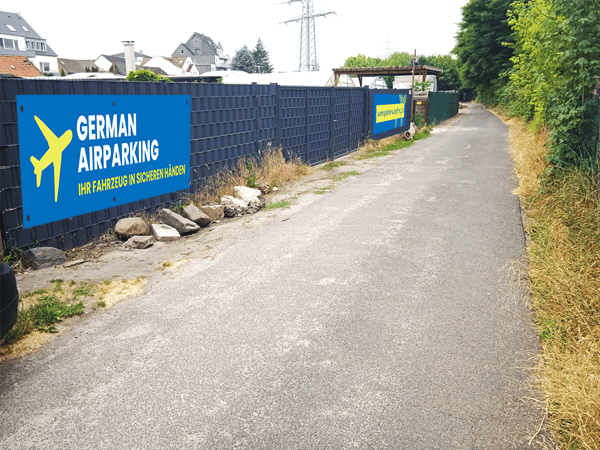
column 18, row 66
column 70, row 66
column 163, row 65
column 18, row 38
column 116, row 63
column 205, row 54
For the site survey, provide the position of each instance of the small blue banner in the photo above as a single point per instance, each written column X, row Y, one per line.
column 390, row 113
column 84, row 153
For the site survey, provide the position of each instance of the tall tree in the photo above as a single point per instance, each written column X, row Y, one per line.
column 449, row 79
column 243, row 60
column 484, row 58
column 261, row 58
column 557, row 57
column 361, row 61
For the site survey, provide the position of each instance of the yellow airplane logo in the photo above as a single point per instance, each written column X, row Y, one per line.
column 52, row 156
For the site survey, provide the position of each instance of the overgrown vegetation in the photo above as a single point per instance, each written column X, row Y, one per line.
column 563, row 220
column 146, row 75
column 272, row 169
column 543, row 67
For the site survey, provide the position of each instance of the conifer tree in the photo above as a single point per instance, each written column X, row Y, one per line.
column 243, row 60
column 261, row 58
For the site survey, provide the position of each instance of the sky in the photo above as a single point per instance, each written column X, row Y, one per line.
column 85, row 30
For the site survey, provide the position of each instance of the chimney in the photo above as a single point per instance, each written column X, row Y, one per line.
column 129, row 56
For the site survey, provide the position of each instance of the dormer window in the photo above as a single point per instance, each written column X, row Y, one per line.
column 10, row 27
column 9, row 43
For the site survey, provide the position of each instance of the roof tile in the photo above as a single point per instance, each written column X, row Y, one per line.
column 19, row 66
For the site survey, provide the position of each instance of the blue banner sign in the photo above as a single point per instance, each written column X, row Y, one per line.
column 390, row 113
column 84, row 153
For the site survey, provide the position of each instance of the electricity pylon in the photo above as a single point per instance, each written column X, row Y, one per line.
column 308, row 41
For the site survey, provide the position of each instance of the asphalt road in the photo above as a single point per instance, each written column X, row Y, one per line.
column 383, row 315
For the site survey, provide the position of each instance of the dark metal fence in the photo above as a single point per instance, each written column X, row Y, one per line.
column 228, row 122
column 442, row 106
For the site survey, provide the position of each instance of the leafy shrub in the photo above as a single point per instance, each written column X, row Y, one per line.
column 146, row 75
column 418, row 120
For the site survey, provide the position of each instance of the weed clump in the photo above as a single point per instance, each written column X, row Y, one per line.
column 42, row 316
column 271, row 170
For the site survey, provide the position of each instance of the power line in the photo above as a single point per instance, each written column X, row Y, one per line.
column 308, row 41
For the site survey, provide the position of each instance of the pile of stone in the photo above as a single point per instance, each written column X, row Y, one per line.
column 139, row 235
column 246, row 201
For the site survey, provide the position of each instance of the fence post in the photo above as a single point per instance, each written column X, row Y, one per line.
column 365, row 113
column 2, row 236
column 277, row 114
column 332, row 108
column 307, row 125
column 254, row 91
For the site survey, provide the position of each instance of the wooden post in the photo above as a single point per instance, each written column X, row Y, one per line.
column 412, row 109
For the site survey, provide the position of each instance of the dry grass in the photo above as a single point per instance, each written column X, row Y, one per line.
column 529, row 155
column 272, row 169
column 564, row 276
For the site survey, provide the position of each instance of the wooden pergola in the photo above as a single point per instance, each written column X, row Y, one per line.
column 360, row 72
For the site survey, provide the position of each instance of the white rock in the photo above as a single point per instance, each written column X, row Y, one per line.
column 139, row 242
column 228, row 200
column 246, row 193
column 164, row 232
column 233, row 206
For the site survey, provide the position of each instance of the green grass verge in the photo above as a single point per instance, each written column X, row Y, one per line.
column 345, row 175
column 333, row 165
column 279, row 204
column 42, row 316
column 396, row 145
column 323, row 190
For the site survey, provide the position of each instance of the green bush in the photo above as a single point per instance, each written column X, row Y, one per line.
column 418, row 120
column 146, row 75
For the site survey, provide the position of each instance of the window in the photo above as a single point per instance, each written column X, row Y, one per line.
column 45, row 67
column 10, row 27
column 28, row 44
column 37, row 45
column 181, row 51
column 24, row 27
column 9, row 43
column 43, row 46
